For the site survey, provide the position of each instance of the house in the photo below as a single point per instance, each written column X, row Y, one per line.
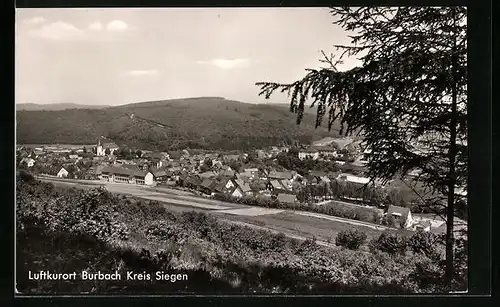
column 206, row 186
column 227, row 186
column 244, row 186
column 185, row 154
column 318, row 174
column 160, row 175
column 101, row 148
column 230, row 158
column 422, row 226
column 325, row 179
column 190, row 181
column 145, row 166
column 287, row 184
column 28, row 161
column 327, row 151
column 435, row 220
column 174, row 155
column 227, row 173
column 245, row 176
column 224, row 186
column 125, row 175
column 354, row 179
column 98, row 169
column 275, row 186
column 459, row 228
column 280, row 175
column 261, row 154
column 165, row 155
column 226, row 168
column 208, row 174
column 216, row 164
column 402, row 216
column 309, row 153
column 150, row 179
column 286, row 198
column 236, row 192
column 63, row 173
column 284, row 148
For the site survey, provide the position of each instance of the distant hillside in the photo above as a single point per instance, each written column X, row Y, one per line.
column 307, row 109
column 55, row 106
column 337, row 142
column 207, row 122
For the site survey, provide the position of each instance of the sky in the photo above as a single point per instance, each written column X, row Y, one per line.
column 110, row 56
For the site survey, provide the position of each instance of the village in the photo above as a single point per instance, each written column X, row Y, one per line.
column 257, row 174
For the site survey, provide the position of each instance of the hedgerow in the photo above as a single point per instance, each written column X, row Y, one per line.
column 364, row 214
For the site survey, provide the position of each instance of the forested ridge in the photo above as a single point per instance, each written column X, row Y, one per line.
column 211, row 123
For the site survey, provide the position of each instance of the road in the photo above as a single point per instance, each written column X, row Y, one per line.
column 294, row 224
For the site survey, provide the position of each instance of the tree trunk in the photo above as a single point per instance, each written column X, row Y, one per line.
column 450, row 212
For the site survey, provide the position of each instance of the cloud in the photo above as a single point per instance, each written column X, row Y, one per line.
column 34, row 21
column 150, row 72
column 95, row 26
column 58, row 30
column 116, row 26
column 64, row 31
column 228, row 64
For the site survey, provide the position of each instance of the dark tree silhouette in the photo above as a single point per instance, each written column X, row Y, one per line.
column 107, row 151
column 407, row 99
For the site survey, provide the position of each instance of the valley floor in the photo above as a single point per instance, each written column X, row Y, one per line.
column 295, row 224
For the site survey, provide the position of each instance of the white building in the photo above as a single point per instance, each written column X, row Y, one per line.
column 354, row 179
column 29, row 162
column 308, row 154
column 149, row 179
column 63, row 173
column 101, row 148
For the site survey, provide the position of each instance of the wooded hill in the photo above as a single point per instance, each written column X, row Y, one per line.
column 55, row 106
column 206, row 122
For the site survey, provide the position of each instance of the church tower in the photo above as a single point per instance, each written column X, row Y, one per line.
column 100, row 150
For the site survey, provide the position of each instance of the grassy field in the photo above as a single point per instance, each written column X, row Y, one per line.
column 325, row 230
column 287, row 222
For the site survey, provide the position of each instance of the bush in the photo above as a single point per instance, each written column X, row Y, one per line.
column 461, row 266
column 389, row 243
column 424, row 243
column 350, row 239
column 389, row 221
column 428, row 276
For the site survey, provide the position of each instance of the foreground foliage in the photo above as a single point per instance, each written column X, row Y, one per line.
column 351, row 239
column 93, row 230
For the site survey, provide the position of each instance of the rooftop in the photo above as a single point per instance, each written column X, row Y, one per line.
column 123, row 171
